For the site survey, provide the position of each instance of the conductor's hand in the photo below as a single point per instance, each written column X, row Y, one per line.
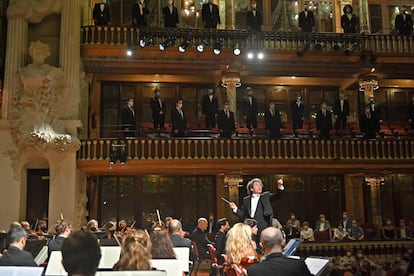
column 232, row 205
column 280, row 184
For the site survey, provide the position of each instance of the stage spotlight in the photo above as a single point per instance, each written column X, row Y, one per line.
column 350, row 49
column 129, row 51
column 217, row 46
column 337, row 47
column 319, row 46
column 250, row 55
column 183, row 46
column 202, row 46
column 236, row 50
column 304, row 49
column 169, row 42
column 146, row 41
column 260, row 55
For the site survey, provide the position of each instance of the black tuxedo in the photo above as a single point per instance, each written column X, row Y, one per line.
column 210, row 18
column 178, row 122
column 278, row 264
column 298, row 112
column 250, row 111
column 376, row 113
column 342, row 114
column 200, row 238
column 411, row 113
column 55, row 245
column 128, row 121
column 16, row 257
column 170, row 17
column 273, row 123
column 264, row 210
column 101, row 18
column 349, row 26
column 254, row 22
column 306, row 23
column 210, row 109
column 323, row 123
column 157, row 118
column 177, row 241
column 404, row 27
column 220, row 245
column 368, row 125
column 138, row 19
column 226, row 124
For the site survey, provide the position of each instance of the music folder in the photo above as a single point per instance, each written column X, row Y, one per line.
column 317, row 265
column 291, row 247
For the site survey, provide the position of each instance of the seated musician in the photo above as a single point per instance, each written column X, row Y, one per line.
column 240, row 246
column 178, row 239
column 26, row 226
column 15, row 255
column 42, row 227
column 122, row 225
column 162, row 247
column 92, row 226
column 63, row 229
column 109, row 238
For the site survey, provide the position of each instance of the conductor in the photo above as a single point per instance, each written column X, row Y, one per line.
column 257, row 204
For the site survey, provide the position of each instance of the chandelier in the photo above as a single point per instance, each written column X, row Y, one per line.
column 368, row 84
column 231, row 79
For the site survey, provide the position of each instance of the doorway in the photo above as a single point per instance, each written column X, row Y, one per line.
column 37, row 206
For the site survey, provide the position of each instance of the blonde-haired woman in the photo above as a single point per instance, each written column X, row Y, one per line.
column 135, row 252
column 239, row 245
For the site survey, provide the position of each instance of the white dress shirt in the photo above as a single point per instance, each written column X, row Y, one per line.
column 254, row 202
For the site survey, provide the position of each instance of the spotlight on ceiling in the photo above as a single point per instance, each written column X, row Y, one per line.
column 350, row 49
column 146, row 41
column 236, row 50
column 129, row 51
column 337, row 46
column 320, row 45
column 217, row 46
column 202, row 46
column 169, row 42
column 183, row 46
column 304, row 49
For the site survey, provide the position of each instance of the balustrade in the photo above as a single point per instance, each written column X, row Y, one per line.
column 254, row 148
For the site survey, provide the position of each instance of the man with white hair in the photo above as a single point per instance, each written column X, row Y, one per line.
column 199, row 236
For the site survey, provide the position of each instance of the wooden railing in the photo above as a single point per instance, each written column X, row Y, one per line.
column 287, row 149
column 123, row 36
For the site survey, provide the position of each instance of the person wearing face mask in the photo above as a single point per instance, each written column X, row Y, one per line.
column 296, row 222
column 158, row 108
column 323, row 121
column 225, row 121
column 388, row 230
column 101, row 14
column 42, row 227
column 368, row 123
column 322, row 224
column 250, row 109
column 210, row 15
column 170, row 15
column 362, row 260
column 403, row 231
column 273, row 122
column 178, row 120
column 411, row 112
column 348, row 20
column 345, row 262
column 297, row 108
column 346, row 221
column 403, row 22
column 355, row 233
column 128, row 118
column 254, row 18
column 209, row 107
column 341, row 112
column 139, row 14
column 306, row 20
column 306, row 233
column 291, row 231
column 92, row 226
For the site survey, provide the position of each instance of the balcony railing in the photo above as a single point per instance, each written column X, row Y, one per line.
column 97, row 35
column 253, row 148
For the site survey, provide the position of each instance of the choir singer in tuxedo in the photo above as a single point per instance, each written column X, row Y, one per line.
column 257, row 204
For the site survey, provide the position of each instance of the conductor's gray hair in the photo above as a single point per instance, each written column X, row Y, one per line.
column 251, row 182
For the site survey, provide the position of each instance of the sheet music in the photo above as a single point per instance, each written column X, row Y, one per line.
column 21, row 271
column 316, row 265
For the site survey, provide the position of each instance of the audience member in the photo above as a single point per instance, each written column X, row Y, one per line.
column 210, row 15
column 178, row 120
column 15, row 254
column 81, row 254
column 346, row 222
column 199, row 236
column 63, row 229
column 322, row 224
column 223, row 227
column 273, row 122
column 239, row 245
column 403, row 231
column 368, row 123
column 323, row 121
column 158, row 108
column 403, row 22
column 249, row 109
column 361, row 259
column 375, row 109
column 388, row 230
column 128, row 118
column 341, row 112
column 92, row 226
column 296, row 222
column 340, row 233
column 307, row 233
column 298, row 112
column 209, row 107
column 139, row 14
column 101, row 15
column 291, row 231
column 274, row 261
column 170, row 15
column 225, row 121
column 348, row 20
column 254, row 18
column 411, row 112
column 355, row 233
column 306, row 20
column 135, row 252
column 162, row 247
column 345, row 262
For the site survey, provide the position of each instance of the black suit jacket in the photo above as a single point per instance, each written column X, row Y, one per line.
column 141, row 19
column 227, row 125
column 200, row 238
column 220, row 244
column 349, row 26
column 128, row 118
column 170, row 19
column 323, row 123
column 306, row 23
column 273, row 123
column 411, row 111
column 404, row 27
column 255, row 23
column 208, row 107
column 368, row 125
column 264, row 210
column 178, row 123
column 250, row 110
column 376, row 111
column 337, row 108
column 210, row 18
column 156, row 108
column 277, row 264
column 101, row 18
column 55, row 245
column 297, row 111
column 177, row 241
column 16, row 257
